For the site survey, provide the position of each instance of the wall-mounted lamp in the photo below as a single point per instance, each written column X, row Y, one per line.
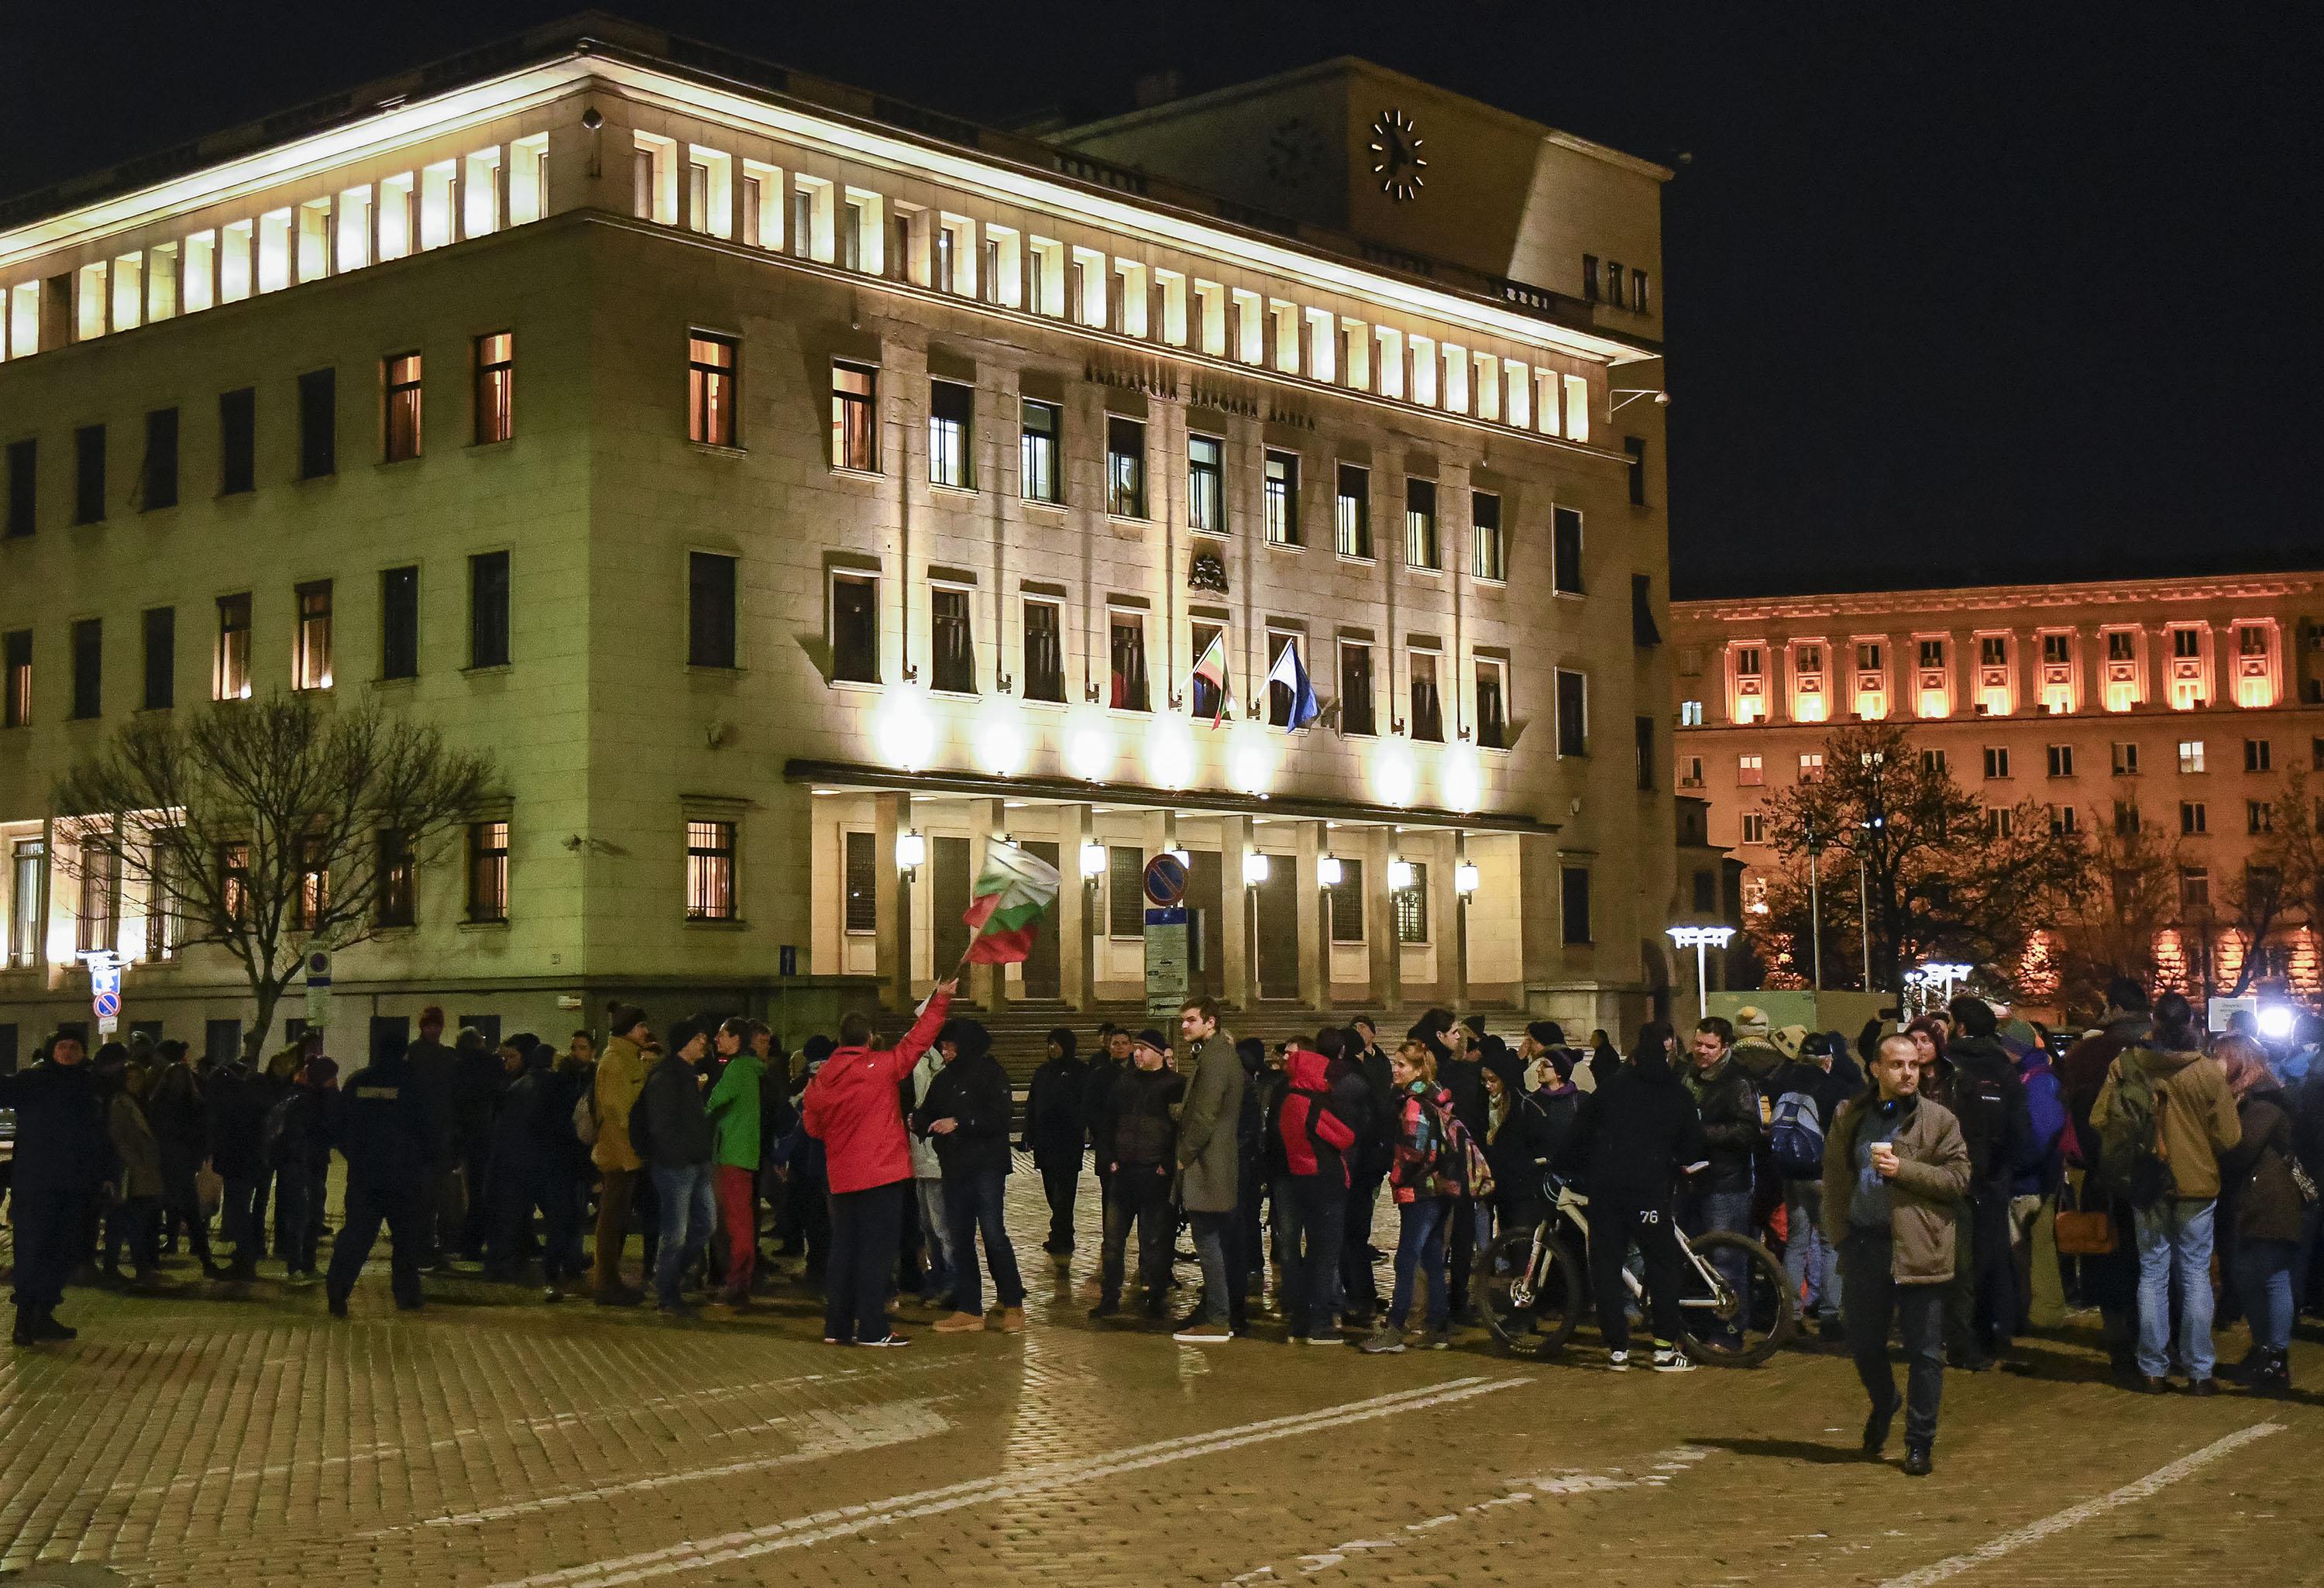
column 1399, row 873
column 1180, row 855
column 1465, row 878
column 1092, row 862
column 1629, row 394
column 1254, row 869
column 911, row 851
column 1328, row 870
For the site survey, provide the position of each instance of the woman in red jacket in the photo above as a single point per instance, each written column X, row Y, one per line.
column 854, row 1107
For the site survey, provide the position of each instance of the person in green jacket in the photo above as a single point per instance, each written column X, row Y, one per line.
column 733, row 1107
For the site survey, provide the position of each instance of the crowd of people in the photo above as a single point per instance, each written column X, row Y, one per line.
column 1972, row 1179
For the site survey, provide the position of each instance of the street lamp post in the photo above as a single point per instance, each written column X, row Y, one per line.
column 1699, row 938
column 1815, row 911
column 1875, row 819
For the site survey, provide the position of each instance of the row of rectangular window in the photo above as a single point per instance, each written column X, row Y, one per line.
column 401, row 436
column 312, row 663
column 709, row 190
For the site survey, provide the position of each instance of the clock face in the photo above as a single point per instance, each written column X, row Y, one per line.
column 1396, row 159
column 1293, row 152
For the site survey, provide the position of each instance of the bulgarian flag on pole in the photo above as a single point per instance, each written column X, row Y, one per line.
column 1013, row 892
column 1211, row 668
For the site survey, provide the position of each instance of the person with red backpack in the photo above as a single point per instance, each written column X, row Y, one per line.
column 1431, row 1175
column 1310, row 1137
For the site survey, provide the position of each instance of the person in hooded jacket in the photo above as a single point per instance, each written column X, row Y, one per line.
column 386, row 1131
column 2195, row 1121
column 1135, row 1129
column 432, row 1068
column 850, row 1107
column 237, row 1129
column 2260, row 1202
column 301, row 1155
column 2109, row 1281
column 1359, row 1286
column 1830, row 1080
column 1255, row 1173
column 180, row 1116
column 528, row 1155
column 1520, row 1140
column 1640, row 1136
column 1735, row 1127
column 1056, row 1129
column 479, row 1077
column 926, row 1217
column 966, row 1114
column 1460, row 1074
column 737, row 1121
column 672, row 1135
column 135, row 1217
column 614, row 1087
column 1310, row 1134
column 2033, row 1191
column 1988, row 1101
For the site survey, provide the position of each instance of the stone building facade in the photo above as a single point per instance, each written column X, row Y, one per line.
column 797, row 492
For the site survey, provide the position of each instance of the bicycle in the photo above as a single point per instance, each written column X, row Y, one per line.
column 1533, row 1291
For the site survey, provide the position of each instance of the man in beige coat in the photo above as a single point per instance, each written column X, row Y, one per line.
column 621, row 1077
column 1208, row 1157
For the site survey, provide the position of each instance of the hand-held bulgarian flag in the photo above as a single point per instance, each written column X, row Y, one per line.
column 1013, row 892
column 1211, row 668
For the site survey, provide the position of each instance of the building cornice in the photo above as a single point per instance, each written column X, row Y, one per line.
column 2005, row 602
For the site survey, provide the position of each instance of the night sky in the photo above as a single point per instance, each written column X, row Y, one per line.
column 1954, row 293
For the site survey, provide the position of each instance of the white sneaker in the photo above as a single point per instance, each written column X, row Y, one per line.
column 1618, row 1362
column 1673, row 1362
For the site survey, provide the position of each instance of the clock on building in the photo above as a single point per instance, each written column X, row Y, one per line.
column 1294, row 153
column 1396, row 159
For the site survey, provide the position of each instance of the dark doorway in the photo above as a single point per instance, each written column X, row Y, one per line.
column 1276, row 934
column 1206, row 932
column 1044, row 971
column 952, row 882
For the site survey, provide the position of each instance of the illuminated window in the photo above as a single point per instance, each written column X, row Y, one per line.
column 495, row 397
column 2190, row 755
column 709, row 871
column 1420, row 544
column 1041, row 439
column 1811, row 765
column 101, row 893
column 314, row 898
column 1206, row 501
column 232, row 670
column 854, row 418
column 1411, row 907
column 1487, row 557
column 488, row 872
column 310, row 665
column 1689, row 714
column 713, row 378
column 402, row 375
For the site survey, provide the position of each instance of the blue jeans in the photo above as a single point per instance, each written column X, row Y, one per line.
column 1723, row 1210
column 1427, row 1221
column 972, row 1205
column 1810, row 1261
column 2263, row 1285
column 689, row 1211
column 2174, row 1236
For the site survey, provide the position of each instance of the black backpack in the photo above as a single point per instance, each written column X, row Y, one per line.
column 1981, row 1103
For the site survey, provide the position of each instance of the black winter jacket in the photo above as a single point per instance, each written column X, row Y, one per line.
column 1055, row 1128
column 238, row 1102
column 63, row 1147
column 384, row 1126
column 1729, row 1104
column 180, row 1119
column 677, row 1131
column 1133, row 1128
column 972, row 1091
column 1988, row 1096
column 1638, row 1136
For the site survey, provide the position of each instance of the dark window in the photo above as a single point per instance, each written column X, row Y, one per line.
column 854, row 417
column 709, row 610
column 1565, row 548
column 310, row 660
column 161, row 658
column 1125, row 890
column 1639, row 290
column 398, row 902
column 862, row 905
column 1590, row 277
column 953, row 661
column 1614, row 283
column 1206, row 499
column 1352, row 511
column 1356, row 716
column 2186, row 644
column 1347, row 897
column 2259, row 755
column 1428, row 704
column 401, row 373
column 1282, row 486
column 488, row 609
column 855, row 629
column 1492, row 708
column 318, row 423
column 1996, row 761
column 1044, row 655
column 1420, row 523
column 233, row 674
column 711, row 377
column 1643, row 630
column 2193, row 817
column 710, row 871
column 1125, row 468
column 399, row 622
column 2122, row 646
column 237, row 442
column 1635, row 448
column 23, row 457
column 488, row 874
column 1487, row 554
column 1203, row 696
column 1411, row 905
column 952, row 434
column 88, row 474
column 2057, row 649
column 28, row 862
column 160, row 484
column 1043, row 425
column 1706, row 893
column 87, row 667
column 495, row 397
column 1645, row 748
column 1126, row 662
column 1575, row 892
column 1572, row 713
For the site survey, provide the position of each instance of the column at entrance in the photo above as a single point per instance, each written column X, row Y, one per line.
column 1314, row 933
column 1238, row 976
column 1073, row 909
column 987, row 985
column 892, row 901
column 1379, row 922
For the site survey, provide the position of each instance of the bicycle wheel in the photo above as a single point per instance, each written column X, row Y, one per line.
column 1728, row 1330
column 1531, row 1301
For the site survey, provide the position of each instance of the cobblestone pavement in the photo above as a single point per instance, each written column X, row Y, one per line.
column 241, row 1439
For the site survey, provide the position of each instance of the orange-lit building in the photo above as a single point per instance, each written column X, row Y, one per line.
column 2182, row 703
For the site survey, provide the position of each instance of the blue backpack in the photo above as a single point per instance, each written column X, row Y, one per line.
column 1796, row 1137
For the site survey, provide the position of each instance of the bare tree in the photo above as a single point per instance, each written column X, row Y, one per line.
column 2133, row 897
column 270, row 827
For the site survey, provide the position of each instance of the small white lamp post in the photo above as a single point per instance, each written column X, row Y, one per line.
column 1699, row 938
